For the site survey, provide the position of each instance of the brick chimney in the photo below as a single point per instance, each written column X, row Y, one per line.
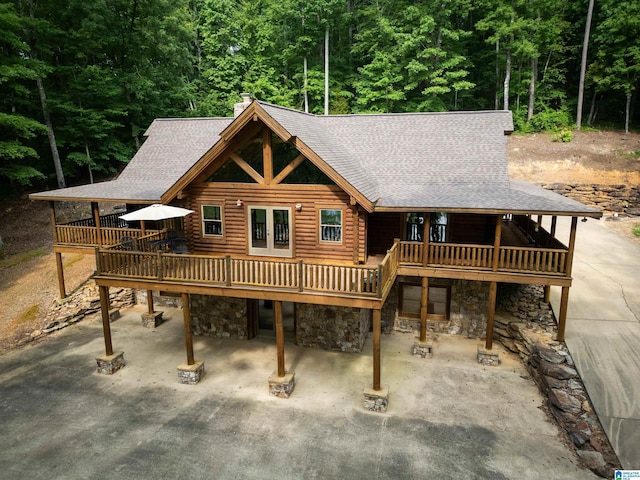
column 238, row 108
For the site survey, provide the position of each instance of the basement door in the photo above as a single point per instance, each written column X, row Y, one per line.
column 269, row 229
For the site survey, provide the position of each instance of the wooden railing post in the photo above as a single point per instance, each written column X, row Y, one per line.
column 426, row 238
column 160, row 266
column 496, row 243
column 228, row 269
column 380, row 282
column 99, row 269
column 300, row 276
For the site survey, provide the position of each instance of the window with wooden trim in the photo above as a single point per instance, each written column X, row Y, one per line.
column 330, row 225
column 438, row 303
column 212, row 220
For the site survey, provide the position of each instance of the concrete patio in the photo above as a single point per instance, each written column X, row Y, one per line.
column 448, row 416
column 603, row 331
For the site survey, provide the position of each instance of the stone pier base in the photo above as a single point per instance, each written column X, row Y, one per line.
column 486, row 357
column 282, row 387
column 376, row 400
column 423, row 349
column 110, row 364
column 191, row 374
column 114, row 314
column 151, row 320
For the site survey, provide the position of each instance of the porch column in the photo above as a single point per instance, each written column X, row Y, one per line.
column 142, row 229
column 188, row 336
column 277, row 313
column 151, row 319
column 486, row 355
column 281, row 382
column 491, row 312
column 572, row 246
column 562, row 317
column 424, row 304
column 111, row 361
column 554, row 222
column 496, row 243
column 59, row 268
column 95, row 210
column 426, row 237
column 356, row 230
column 192, row 371
column 376, row 398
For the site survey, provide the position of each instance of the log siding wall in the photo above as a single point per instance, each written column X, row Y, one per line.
column 304, row 224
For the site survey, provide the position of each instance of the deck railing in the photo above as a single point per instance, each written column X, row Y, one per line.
column 358, row 280
column 549, row 261
column 83, row 236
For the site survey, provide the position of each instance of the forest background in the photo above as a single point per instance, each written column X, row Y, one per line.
column 89, row 77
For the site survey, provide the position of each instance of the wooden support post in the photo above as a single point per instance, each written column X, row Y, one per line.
column 52, row 212
column 547, row 293
column 95, row 210
column 188, row 336
column 267, row 156
column 562, row 317
column 572, row 246
column 554, row 221
column 142, row 228
column 377, row 320
column 106, row 326
column 59, row 268
column 496, row 243
column 150, row 301
column 426, row 234
column 491, row 312
column 424, row 303
column 277, row 313
column 355, row 233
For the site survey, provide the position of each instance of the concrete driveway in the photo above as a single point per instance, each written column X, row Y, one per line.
column 603, row 330
column 448, row 416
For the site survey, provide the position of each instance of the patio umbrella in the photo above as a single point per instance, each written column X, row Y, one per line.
column 157, row 211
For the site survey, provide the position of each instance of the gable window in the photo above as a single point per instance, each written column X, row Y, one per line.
column 212, row 220
column 330, row 225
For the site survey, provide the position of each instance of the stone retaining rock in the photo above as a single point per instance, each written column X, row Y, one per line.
column 609, row 198
column 551, row 367
column 83, row 302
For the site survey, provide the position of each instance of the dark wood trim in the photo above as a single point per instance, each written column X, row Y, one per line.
column 267, row 156
column 484, row 276
column 496, row 243
column 95, row 210
column 572, row 245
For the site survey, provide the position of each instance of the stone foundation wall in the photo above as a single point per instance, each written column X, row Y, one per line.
column 468, row 313
column 609, row 198
column 159, row 300
column 332, row 328
column 525, row 302
column 223, row 317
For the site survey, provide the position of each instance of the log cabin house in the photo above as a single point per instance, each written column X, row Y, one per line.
column 342, row 223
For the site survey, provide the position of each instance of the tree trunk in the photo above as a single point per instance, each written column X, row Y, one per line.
column 52, row 138
column 532, row 87
column 507, row 80
column 626, row 113
column 326, row 71
column 306, row 80
column 497, row 98
column 86, row 149
column 592, row 111
column 583, row 64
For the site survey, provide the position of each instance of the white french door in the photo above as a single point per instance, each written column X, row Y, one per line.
column 269, row 231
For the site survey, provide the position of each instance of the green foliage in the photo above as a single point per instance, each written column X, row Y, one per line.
column 111, row 66
column 564, row 136
column 636, row 229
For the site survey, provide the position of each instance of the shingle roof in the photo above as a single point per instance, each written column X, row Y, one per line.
column 172, row 147
column 431, row 161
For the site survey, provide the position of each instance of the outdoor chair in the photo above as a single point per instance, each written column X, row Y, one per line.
column 127, row 243
column 178, row 245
